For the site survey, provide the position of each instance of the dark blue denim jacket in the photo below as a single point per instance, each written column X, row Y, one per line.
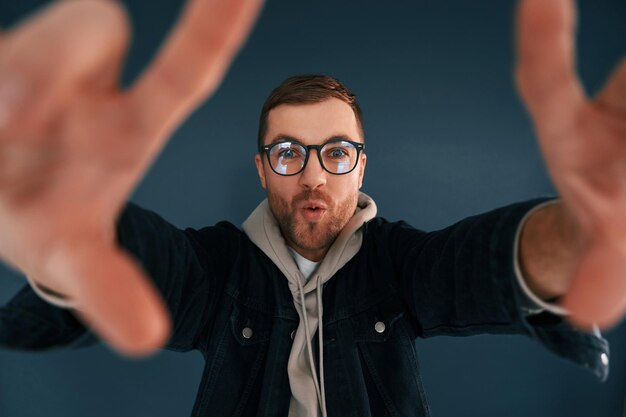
column 457, row 281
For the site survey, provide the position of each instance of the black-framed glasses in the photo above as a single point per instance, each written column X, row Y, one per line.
column 336, row 156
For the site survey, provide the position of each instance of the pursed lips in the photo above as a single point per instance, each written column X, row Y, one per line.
column 312, row 204
column 312, row 209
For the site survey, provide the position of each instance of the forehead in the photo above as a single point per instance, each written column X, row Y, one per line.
column 313, row 123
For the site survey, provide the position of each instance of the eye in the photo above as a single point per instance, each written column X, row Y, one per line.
column 288, row 153
column 337, row 153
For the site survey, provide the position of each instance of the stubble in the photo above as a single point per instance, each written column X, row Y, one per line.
column 309, row 235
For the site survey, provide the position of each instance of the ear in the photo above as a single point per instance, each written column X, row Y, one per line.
column 362, row 169
column 258, row 160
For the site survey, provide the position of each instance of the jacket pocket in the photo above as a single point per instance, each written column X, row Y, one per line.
column 231, row 383
column 249, row 327
column 376, row 324
column 389, row 360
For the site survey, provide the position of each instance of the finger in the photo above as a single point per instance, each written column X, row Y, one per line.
column 545, row 71
column 598, row 292
column 113, row 297
column 63, row 47
column 613, row 95
column 192, row 62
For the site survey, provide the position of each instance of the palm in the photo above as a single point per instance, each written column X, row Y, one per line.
column 583, row 145
column 74, row 147
column 59, row 218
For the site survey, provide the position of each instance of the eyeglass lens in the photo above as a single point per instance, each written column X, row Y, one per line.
column 287, row 158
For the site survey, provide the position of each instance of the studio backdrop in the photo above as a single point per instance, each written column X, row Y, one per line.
column 447, row 137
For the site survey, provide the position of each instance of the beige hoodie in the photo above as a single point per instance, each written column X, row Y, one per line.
column 307, row 388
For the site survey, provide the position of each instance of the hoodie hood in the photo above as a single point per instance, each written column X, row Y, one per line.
column 307, row 387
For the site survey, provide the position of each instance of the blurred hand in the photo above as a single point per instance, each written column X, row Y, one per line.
column 583, row 142
column 73, row 146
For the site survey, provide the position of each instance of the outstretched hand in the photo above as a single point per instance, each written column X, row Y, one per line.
column 73, row 146
column 583, row 141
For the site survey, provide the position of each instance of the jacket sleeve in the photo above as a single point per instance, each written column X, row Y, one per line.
column 181, row 267
column 461, row 281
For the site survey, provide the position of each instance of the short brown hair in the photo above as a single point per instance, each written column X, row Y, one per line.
column 307, row 89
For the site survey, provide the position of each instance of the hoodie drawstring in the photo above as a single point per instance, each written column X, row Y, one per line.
column 320, row 394
column 320, row 328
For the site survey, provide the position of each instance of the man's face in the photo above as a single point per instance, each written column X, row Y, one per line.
column 292, row 198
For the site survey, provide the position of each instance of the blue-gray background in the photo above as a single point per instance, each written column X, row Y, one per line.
column 447, row 137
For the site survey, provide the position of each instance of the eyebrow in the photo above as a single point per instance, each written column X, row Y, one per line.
column 287, row 138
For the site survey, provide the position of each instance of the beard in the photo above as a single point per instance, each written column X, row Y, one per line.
column 314, row 236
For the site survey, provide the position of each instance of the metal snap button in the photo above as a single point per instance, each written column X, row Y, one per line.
column 379, row 327
column 293, row 334
column 246, row 332
column 605, row 359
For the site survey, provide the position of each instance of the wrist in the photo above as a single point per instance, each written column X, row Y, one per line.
column 550, row 244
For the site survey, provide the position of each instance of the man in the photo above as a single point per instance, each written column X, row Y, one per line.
column 309, row 221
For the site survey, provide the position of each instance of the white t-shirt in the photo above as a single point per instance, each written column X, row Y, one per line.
column 306, row 267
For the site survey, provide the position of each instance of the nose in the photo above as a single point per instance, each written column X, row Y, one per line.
column 313, row 175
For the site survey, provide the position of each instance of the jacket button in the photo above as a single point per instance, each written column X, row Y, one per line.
column 379, row 327
column 246, row 332
column 605, row 359
column 293, row 334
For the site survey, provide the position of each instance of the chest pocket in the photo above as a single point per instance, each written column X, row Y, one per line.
column 388, row 360
column 231, row 384
column 248, row 326
column 377, row 324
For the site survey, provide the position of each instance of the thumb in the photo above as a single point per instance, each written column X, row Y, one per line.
column 113, row 297
column 598, row 291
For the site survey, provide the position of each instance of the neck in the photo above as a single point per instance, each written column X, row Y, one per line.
column 313, row 255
